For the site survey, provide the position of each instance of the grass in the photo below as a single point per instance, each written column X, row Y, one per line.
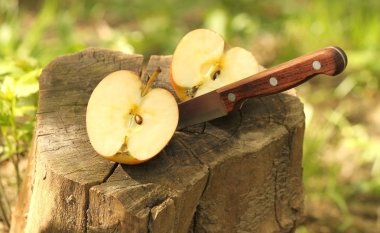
column 341, row 150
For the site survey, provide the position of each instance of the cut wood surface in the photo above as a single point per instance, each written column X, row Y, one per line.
column 239, row 173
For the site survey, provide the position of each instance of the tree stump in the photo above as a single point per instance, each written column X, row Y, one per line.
column 239, row 173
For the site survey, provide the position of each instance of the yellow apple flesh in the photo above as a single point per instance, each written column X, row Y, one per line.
column 126, row 127
column 200, row 64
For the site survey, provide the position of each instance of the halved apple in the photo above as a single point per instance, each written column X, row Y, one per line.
column 127, row 122
column 200, row 64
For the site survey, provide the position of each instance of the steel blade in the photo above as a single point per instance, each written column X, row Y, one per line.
column 200, row 109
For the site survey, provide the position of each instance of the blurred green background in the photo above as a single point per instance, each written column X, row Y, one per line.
column 342, row 141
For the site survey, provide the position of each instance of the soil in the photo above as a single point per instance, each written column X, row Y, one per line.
column 323, row 216
column 8, row 179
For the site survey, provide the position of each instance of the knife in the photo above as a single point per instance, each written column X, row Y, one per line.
column 329, row 61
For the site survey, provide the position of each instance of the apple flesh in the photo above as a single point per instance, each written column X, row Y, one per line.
column 200, row 64
column 126, row 126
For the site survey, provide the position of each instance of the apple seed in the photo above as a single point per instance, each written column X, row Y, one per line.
column 138, row 119
column 215, row 75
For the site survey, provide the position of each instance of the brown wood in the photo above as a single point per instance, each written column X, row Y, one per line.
column 287, row 75
column 239, row 173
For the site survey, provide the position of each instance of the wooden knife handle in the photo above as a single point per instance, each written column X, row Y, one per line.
column 330, row 61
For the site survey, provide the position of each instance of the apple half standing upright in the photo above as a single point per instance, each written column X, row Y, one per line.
column 127, row 121
column 201, row 64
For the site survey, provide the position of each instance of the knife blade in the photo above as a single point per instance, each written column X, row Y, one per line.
column 329, row 61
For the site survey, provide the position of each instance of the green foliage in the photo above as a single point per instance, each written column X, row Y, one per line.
column 337, row 136
column 274, row 30
column 17, row 105
column 18, row 87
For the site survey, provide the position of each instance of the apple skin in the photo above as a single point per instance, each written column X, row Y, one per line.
column 125, row 158
column 217, row 48
column 111, row 121
column 179, row 91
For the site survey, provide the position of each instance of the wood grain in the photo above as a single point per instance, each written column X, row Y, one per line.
column 64, row 165
column 239, row 173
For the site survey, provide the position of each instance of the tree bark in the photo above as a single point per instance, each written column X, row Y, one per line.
column 239, row 173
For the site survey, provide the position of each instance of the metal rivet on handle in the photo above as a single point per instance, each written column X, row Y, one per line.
column 317, row 65
column 231, row 97
column 273, row 81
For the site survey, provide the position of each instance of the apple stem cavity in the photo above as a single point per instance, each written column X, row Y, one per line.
column 151, row 78
column 150, row 81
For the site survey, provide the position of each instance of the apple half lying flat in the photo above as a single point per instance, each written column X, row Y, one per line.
column 200, row 64
column 128, row 122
